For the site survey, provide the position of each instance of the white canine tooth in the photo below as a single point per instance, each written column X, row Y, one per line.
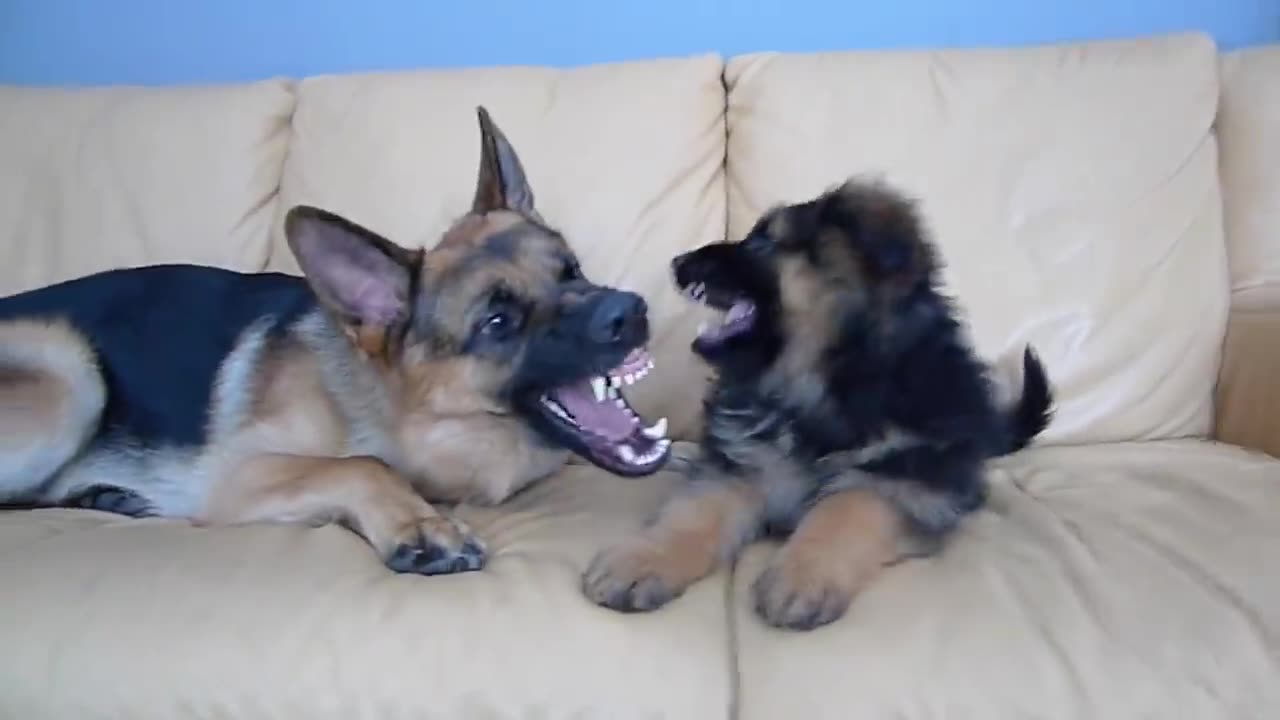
column 597, row 386
column 656, row 431
column 629, row 379
column 615, row 381
column 621, row 403
column 627, row 454
column 642, row 372
column 649, row 365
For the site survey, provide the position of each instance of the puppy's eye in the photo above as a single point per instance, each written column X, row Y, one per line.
column 570, row 271
column 758, row 244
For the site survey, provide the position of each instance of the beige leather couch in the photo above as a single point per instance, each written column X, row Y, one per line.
column 1116, row 204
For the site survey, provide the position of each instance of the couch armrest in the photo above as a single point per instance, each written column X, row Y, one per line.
column 1248, row 393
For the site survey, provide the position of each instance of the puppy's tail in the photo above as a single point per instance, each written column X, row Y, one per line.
column 1030, row 414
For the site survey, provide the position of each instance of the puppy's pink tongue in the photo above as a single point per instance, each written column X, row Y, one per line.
column 610, row 418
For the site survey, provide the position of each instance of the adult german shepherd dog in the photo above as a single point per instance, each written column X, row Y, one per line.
column 848, row 414
column 382, row 378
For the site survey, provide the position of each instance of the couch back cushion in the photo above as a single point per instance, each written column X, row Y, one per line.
column 92, row 179
column 1072, row 190
column 1249, row 128
column 625, row 159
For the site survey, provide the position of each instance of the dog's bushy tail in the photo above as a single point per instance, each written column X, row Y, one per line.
column 1030, row 415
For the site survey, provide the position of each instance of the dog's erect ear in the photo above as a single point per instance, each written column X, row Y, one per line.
column 358, row 274
column 501, row 184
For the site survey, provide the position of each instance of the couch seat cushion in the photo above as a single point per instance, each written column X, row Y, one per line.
column 108, row 617
column 1125, row 581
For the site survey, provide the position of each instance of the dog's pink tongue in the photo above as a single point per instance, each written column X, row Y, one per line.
column 602, row 418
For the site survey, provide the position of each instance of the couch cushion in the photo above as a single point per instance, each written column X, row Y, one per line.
column 108, row 617
column 1125, row 581
column 625, row 159
column 1249, row 131
column 1073, row 191
column 92, row 179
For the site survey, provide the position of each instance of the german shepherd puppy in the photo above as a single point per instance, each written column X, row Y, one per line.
column 382, row 377
column 848, row 412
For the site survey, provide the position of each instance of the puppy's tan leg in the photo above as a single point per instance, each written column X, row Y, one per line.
column 695, row 531
column 839, row 547
column 362, row 492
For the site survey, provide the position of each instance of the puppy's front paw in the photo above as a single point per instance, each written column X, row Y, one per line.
column 437, row 545
column 801, row 593
column 636, row 576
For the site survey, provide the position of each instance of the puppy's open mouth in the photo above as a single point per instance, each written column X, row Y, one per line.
column 738, row 319
column 595, row 412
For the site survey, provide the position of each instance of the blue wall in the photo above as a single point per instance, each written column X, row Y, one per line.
column 167, row 41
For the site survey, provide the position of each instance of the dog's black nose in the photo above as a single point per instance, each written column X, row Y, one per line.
column 617, row 315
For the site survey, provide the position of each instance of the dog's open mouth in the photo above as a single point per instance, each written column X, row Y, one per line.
column 738, row 319
column 613, row 435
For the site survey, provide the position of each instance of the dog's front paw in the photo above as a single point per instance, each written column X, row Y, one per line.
column 437, row 545
column 797, row 593
column 636, row 576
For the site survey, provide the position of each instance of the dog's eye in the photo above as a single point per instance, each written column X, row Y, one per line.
column 501, row 323
column 497, row 322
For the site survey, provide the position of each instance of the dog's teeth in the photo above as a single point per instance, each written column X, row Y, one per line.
column 656, row 431
column 642, row 372
column 629, row 379
column 649, row 365
column 627, row 454
column 621, row 403
column 598, row 387
column 612, row 392
column 615, row 381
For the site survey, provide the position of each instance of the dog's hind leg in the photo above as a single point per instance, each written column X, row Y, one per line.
column 361, row 492
column 51, row 400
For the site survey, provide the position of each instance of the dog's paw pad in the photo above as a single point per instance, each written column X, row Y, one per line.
column 628, row 580
column 438, row 551
column 790, row 601
column 106, row 498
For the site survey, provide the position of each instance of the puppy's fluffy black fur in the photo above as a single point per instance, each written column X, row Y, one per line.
column 846, row 398
column 851, row 357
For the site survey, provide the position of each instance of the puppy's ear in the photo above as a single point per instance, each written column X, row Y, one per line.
column 362, row 277
column 501, row 184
